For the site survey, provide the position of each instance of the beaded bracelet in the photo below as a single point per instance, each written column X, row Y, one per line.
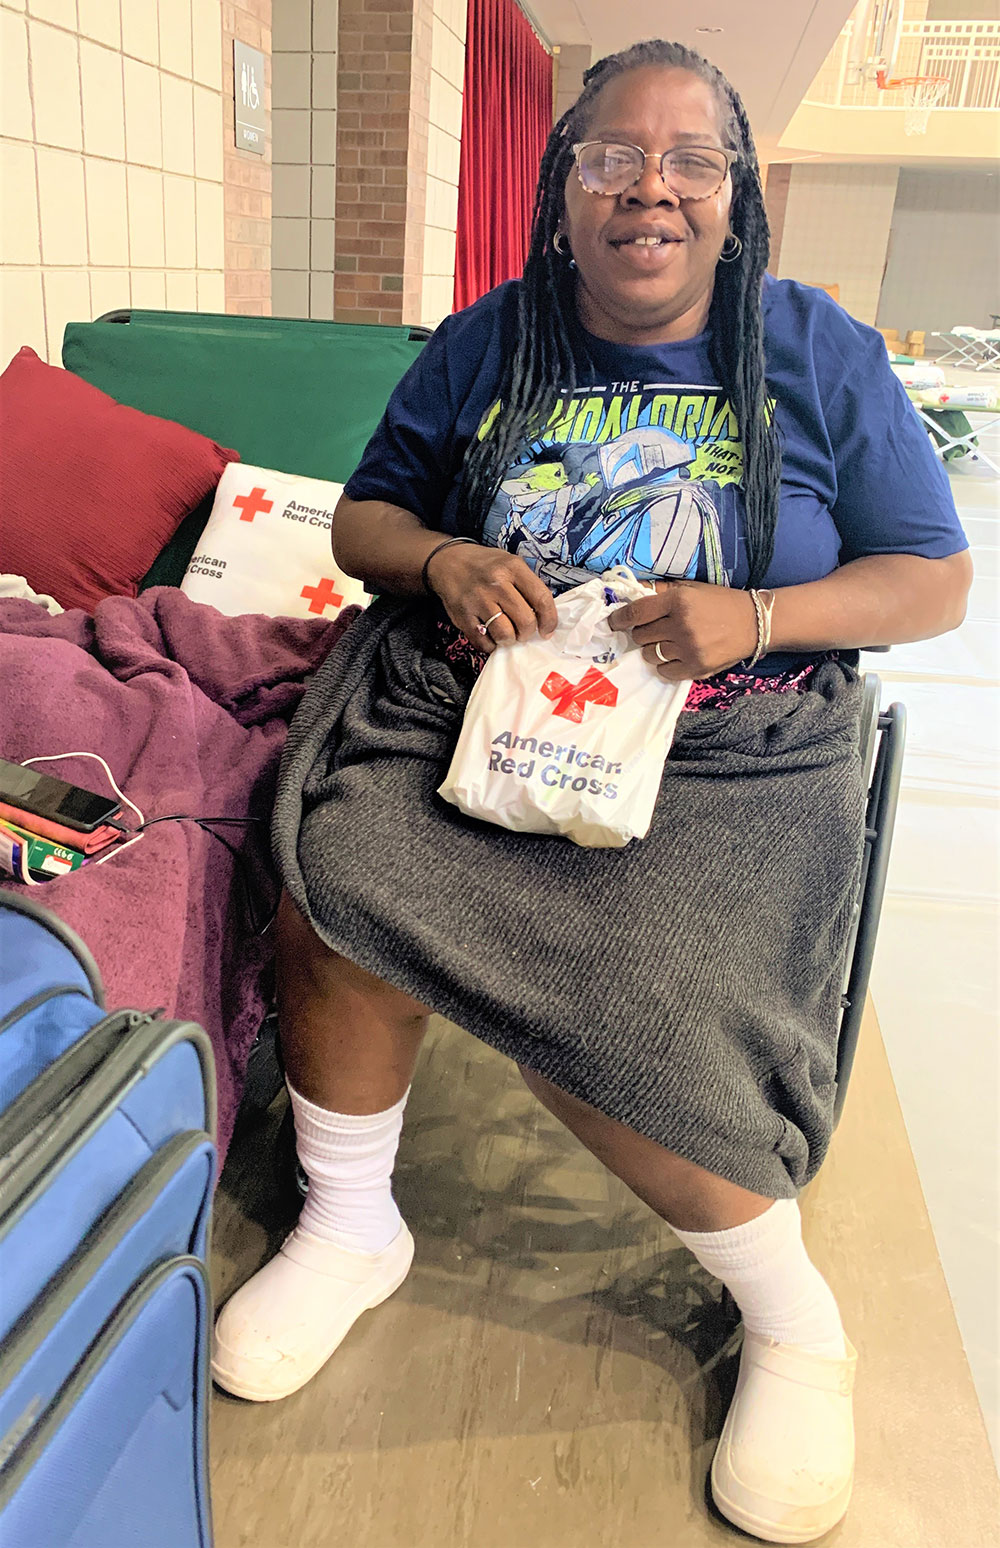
column 763, row 611
column 425, row 582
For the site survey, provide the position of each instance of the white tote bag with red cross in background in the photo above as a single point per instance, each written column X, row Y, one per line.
column 569, row 735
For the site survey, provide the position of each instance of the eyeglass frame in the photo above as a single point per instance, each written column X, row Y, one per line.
column 732, row 157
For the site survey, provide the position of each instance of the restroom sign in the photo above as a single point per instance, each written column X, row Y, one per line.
column 248, row 91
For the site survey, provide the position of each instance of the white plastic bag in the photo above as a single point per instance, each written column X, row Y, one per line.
column 569, row 735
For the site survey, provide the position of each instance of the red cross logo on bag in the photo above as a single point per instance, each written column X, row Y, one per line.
column 322, row 596
column 253, row 504
column 570, row 699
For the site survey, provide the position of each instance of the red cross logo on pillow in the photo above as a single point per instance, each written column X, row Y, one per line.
column 322, row 595
column 253, row 504
column 570, row 699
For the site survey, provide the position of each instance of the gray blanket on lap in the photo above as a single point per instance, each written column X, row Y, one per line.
column 687, row 985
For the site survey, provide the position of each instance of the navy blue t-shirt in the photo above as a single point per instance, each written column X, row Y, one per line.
column 643, row 466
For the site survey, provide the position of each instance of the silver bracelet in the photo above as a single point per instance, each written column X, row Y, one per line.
column 763, row 611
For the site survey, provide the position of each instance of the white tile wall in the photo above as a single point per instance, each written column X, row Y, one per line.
column 15, row 100
column 291, row 135
column 211, row 291
column 102, row 21
column 61, row 206
column 145, row 218
column 291, row 192
column 290, row 80
column 321, row 295
column 62, row 13
column 141, row 30
column 143, row 133
column 55, row 71
column 175, row 44
column 304, row 64
column 19, row 238
column 182, row 290
column 179, row 223
column 206, row 47
column 944, row 250
column 67, row 297
column 836, row 230
column 149, row 289
column 111, row 161
column 22, row 313
column 110, row 290
column 323, row 202
column 101, row 81
column 177, row 105
column 209, row 227
column 325, row 22
column 208, row 130
column 291, row 26
column 290, row 292
column 324, row 137
column 107, row 213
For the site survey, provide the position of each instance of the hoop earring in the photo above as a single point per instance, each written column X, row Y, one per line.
column 731, row 249
column 562, row 250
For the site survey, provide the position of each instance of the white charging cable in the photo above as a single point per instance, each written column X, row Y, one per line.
column 60, row 758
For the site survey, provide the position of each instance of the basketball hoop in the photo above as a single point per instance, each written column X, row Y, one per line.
column 921, row 95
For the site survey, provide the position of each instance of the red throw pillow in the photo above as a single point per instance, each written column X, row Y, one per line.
column 90, row 491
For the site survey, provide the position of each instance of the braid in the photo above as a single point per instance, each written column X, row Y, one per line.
column 543, row 365
column 738, row 347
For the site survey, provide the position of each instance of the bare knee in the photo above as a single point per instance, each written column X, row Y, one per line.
column 681, row 1192
column 305, row 960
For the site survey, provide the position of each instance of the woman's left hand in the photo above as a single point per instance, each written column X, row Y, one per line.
column 700, row 629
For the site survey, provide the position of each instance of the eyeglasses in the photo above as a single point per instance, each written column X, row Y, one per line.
column 689, row 171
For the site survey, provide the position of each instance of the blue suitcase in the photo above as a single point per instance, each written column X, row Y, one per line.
column 107, row 1164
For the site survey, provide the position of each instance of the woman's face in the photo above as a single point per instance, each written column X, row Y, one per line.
column 645, row 294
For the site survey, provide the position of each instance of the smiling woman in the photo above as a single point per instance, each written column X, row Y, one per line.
column 644, row 396
column 646, row 208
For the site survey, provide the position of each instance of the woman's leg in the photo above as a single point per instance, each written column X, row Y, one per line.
column 350, row 1043
column 784, row 1466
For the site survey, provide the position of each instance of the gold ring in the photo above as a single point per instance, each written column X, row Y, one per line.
column 482, row 628
column 659, row 654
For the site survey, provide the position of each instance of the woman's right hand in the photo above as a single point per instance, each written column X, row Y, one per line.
column 475, row 583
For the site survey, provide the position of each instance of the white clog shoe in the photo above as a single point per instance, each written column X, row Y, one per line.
column 270, row 1341
column 784, row 1466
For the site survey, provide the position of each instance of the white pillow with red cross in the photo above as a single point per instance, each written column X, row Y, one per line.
column 266, row 548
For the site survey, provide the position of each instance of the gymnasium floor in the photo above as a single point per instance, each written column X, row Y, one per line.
column 936, row 984
column 555, row 1371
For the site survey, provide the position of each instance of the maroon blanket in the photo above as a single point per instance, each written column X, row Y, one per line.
column 190, row 711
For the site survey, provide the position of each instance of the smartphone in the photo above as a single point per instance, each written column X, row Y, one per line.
column 31, row 793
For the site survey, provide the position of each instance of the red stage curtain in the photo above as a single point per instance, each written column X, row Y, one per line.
column 506, row 119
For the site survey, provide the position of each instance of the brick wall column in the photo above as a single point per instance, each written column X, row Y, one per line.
column 374, row 161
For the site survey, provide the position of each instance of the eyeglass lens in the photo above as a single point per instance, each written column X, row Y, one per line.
column 689, row 170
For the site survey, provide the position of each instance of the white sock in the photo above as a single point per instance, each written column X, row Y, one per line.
column 778, row 1289
column 348, row 1160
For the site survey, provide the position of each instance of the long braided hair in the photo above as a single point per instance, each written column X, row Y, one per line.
column 543, row 365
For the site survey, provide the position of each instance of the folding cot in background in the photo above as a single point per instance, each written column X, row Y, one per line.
column 945, row 410
column 968, row 346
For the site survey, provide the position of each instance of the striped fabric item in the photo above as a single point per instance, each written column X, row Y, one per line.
column 91, row 490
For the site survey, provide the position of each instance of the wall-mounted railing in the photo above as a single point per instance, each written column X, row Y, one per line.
column 967, row 53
